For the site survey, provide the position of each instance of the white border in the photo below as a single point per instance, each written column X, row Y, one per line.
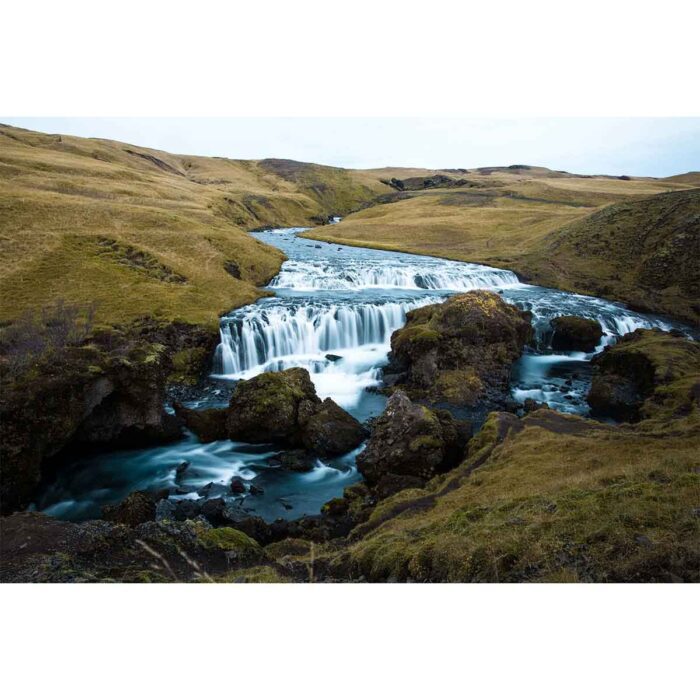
column 368, row 57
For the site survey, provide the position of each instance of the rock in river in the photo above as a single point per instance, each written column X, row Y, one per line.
column 576, row 333
column 410, row 440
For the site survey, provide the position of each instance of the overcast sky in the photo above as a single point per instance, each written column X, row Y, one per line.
column 633, row 146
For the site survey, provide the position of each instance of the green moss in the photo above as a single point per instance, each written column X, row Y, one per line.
column 188, row 364
column 228, row 539
column 425, row 442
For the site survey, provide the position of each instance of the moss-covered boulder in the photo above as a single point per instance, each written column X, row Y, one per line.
column 283, row 407
column 648, row 374
column 575, row 333
column 266, row 408
column 410, row 440
column 460, row 352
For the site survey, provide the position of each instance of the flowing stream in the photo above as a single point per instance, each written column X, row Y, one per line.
column 334, row 310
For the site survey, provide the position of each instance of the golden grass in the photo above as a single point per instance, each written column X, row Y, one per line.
column 549, row 504
column 60, row 196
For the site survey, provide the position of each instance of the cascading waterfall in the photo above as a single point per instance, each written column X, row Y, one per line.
column 547, row 304
column 299, row 332
column 359, row 275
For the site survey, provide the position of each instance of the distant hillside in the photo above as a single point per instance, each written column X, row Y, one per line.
column 644, row 252
column 691, row 178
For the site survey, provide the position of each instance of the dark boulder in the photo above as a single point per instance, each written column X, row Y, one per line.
column 330, row 430
column 237, row 486
column 411, row 440
column 208, row 425
column 576, row 333
column 283, row 407
column 294, row 461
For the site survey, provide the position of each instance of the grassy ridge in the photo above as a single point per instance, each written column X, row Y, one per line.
column 141, row 231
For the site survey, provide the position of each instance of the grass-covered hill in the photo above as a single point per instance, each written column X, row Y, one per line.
column 140, row 231
column 644, row 252
column 632, row 239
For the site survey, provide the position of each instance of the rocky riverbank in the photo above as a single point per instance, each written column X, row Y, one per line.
column 545, row 497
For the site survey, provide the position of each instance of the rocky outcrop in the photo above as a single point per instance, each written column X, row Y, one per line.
column 330, row 430
column 576, row 333
column 108, row 393
column 283, row 408
column 410, row 444
column 647, row 374
column 460, row 352
column 138, row 507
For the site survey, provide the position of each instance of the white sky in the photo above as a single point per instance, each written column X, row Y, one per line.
column 612, row 146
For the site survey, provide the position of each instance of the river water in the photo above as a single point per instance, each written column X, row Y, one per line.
column 334, row 310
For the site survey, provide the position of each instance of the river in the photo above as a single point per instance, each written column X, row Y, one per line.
column 334, row 310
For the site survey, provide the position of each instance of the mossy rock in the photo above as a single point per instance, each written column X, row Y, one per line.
column 232, row 541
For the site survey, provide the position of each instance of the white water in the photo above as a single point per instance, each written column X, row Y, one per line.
column 442, row 275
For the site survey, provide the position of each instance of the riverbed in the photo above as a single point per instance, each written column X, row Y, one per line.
column 333, row 312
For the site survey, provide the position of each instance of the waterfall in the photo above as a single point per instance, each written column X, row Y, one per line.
column 286, row 333
column 356, row 275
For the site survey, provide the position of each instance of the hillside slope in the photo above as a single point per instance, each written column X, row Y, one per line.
column 140, row 231
column 644, row 252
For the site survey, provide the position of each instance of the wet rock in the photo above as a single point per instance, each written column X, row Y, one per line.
column 213, row 510
column 211, row 489
column 330, row 430
column 294, row 461
column 576, row 333
column 186, row 509
column 237, row 486
column 138, row 507
column 333, row 358
column 208, row 425
column 256, row 490
column 460, row 352
column 411, row 440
